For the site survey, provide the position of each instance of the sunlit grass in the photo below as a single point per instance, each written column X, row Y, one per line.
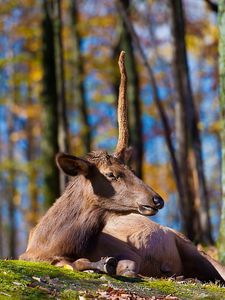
column 26, row 280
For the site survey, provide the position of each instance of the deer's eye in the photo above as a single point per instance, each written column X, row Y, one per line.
column 110, row 175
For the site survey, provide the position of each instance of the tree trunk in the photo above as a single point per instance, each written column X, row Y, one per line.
column 63, row 130
column 135, row 123
column 11, row 190
column 79, row 81
column 221, row 21
column 1, row 227
column 33, row 210
column 189, row 156
column 50, row 104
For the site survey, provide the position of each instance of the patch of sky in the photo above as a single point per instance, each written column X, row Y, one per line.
column 23, row 91
column 208, row 113
column 155, row 149
column 17, row 46
column 141, row 31
column 103, row 112
column 4, row 87
column 21, row 148
column 3, row 72
column 211, row 153
column 163, row 93
column 206, row 87
column 12, row 19
column 3, row 123
column 162, row 31
column 146, row 94
column 141, row 5
column 102, row 109
column 148, row 123
column 5, row 213
column 215, row 219
column 22, row 234
column 91, row 82
column 24, row 182
column 16, row 13
column 193, row 71
column 89, row 42
column 3, row 45
column 93, row 7
column 108, row 144
column 169, row 215
column 3, row 126
column 74, row 124
column 41, row 198
column 194, row 9
column 20, row 122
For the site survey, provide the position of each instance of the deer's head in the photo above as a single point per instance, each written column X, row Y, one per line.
column 106, row 179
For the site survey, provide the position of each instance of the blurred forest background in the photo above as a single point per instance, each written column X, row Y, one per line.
column 59, row 83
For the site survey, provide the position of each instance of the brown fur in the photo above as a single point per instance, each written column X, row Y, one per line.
column 70, row 227
column 144, row 247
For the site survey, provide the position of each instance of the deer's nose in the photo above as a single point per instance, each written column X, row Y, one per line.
column 158, row 201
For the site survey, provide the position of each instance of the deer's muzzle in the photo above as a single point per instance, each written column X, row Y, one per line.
column 151, row 210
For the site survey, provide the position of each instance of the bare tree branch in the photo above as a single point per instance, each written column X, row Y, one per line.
column 212, row 5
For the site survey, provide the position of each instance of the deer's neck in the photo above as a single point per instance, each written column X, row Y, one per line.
column 78, row 221
column 88, row 227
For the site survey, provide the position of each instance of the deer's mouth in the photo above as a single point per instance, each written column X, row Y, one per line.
column 147, row 210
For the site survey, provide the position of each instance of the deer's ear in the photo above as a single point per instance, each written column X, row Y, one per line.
column 72, row 165
column 124, row 155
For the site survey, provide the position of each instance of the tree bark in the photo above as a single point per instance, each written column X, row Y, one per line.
column 213, row 6
column 221, row 23
column 189, row 154
column 63, row 129
column 79, row 81
column 50, row 104
column 11, row 190
column 33, row 210
column 135, row 122
column 1, row 229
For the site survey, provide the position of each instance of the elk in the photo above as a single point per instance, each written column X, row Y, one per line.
column 101, row 185
column 144, row 247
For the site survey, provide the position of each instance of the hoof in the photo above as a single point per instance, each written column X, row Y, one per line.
column 130, row 274
column 108, row 265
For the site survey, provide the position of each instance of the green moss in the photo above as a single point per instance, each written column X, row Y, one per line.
column 26, row 280
column 186, row 290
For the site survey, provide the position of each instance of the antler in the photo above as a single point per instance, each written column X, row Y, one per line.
column 122, row 106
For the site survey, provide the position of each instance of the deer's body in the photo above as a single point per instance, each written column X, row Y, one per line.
column 102, row 186
column 147, row 248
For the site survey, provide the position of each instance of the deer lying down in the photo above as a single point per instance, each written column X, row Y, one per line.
column 147, row 248
column 101, row 186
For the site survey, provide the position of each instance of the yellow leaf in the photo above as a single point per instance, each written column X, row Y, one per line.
column 36, row 74
column 68, row 267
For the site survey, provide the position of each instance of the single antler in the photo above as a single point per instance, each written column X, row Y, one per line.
column 122, row 106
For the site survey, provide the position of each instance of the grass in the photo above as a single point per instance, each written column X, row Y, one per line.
column 26, row 280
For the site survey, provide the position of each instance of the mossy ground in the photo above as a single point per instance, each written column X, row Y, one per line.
column 25, row 280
